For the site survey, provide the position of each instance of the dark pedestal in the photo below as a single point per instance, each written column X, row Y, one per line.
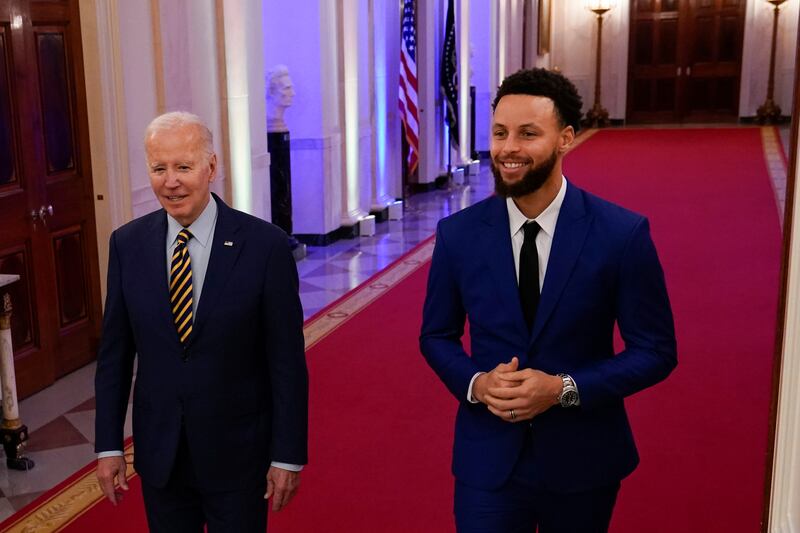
column 280, row 179
column 13, row 443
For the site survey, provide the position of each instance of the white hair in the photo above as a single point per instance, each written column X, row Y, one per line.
column 177, row 119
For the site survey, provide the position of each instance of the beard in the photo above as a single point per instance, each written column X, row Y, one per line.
column 532, row 181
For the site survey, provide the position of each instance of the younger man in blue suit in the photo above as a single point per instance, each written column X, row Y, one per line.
column 543, row 270
column 206, row 299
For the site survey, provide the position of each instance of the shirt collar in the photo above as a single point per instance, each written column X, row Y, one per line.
column 547, row 219
column 200, row 228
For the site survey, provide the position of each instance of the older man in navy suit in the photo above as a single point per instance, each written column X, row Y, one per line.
column 206, row 299
column 543, row 271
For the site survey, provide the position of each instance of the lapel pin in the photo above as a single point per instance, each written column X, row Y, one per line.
column 228, row 243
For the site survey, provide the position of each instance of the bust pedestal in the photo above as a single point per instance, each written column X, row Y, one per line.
column 13, row 432
column 280, row 177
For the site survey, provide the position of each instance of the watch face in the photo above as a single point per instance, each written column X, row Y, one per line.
column 569, row 398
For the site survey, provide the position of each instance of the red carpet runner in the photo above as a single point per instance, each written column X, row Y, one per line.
column 702, row 434
column 381, row 423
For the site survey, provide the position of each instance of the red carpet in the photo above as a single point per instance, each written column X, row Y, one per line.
column 702, row 434
column 381, row 422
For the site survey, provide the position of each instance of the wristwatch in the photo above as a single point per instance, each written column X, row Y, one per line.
column 569, row 394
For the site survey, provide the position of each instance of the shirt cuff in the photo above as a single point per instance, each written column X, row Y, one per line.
column 110, row 453
column 287, row 466
column 470, row 398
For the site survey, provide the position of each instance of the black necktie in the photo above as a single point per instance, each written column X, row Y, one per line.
column 529, row 273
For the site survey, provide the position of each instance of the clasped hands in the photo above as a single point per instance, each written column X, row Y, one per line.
column 517, row 395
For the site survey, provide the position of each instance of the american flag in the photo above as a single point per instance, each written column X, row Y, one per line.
column 408, row 83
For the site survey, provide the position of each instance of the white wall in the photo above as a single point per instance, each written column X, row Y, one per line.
column 574, row 41
column 756, row 54
column 481, row 39
column 313, row 120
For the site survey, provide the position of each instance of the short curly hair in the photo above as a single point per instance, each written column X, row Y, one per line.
column 553, row 85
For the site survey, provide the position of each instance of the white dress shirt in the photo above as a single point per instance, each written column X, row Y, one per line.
column 202, row 230
column 547, row 220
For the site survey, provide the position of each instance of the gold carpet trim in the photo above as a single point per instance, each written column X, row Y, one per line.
column 66, row 506
column 776, row 166
column 325, row 323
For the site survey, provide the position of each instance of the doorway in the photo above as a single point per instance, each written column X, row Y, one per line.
column 685, row 60
column 46, row 211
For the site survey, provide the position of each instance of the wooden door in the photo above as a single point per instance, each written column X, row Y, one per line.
column 685, row 60
column 713, row 61
column 654, row 61
column 46, row 209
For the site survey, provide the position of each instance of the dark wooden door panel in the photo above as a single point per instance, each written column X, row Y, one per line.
column 685, row 60
column 44, row 147
column 653, row 87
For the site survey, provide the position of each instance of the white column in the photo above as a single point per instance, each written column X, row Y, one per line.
column 481, row 39
column 431, row 129
column 8, row 377
column 383, row 101
column 235, row 17
column 785, row 495
column 463, row 82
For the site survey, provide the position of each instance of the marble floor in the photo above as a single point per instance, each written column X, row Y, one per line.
column 61, row 418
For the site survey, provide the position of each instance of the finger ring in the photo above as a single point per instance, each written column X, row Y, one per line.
column 513, row 416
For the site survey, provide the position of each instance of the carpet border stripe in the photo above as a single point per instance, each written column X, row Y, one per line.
column 323, row 324
column 66, row 505
column 775, row 160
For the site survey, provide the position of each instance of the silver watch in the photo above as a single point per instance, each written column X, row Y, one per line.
column 569, row 394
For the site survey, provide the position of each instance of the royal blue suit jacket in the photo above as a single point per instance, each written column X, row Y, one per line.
column 239, row 387
column 602, row 269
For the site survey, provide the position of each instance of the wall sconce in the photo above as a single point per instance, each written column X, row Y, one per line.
column 770, row 112
column 597, row 116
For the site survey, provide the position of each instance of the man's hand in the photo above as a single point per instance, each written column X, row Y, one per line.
column 110, row 472
column 492, row 379
column 527, row 393
column 281, row 486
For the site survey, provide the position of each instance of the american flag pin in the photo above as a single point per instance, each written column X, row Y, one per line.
column 228, row 243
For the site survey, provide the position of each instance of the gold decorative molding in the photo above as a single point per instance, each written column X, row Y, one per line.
column 66, row 506
column 326, row 322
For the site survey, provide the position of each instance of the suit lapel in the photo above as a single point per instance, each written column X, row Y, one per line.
column 497, row 247
column 220, row 263
column 154, row 264
column 571, row 229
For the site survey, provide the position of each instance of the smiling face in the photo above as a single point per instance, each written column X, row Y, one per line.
column 181, row 171
column 528, row 142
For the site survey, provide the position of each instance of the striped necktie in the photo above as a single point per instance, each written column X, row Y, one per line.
column 180, row 286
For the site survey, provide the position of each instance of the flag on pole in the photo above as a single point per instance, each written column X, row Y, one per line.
column 449, row 74
column 408, row 83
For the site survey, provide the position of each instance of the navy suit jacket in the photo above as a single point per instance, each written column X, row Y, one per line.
column 240, row 386
column 602, row 269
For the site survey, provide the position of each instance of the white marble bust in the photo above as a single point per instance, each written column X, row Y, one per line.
column 280, row 93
